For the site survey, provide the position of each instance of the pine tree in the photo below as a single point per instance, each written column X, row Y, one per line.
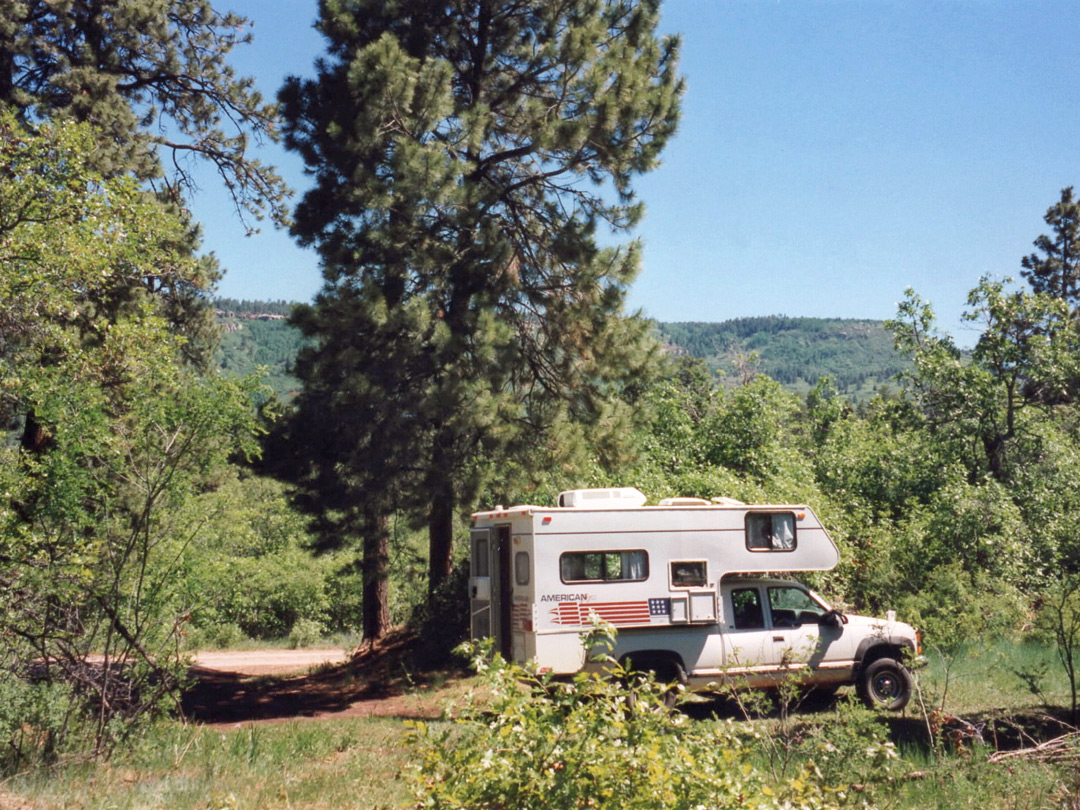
column 153, row 80
column 1057, row 271
column 465, row 154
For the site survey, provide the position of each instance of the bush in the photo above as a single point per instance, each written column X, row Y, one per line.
column 306, row 632
column 594, row 741
column 221, row 636
column 32, row 719
column 954, row 606
column 444, row 622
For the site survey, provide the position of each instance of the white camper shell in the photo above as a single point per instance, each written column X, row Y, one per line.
column 677, row 582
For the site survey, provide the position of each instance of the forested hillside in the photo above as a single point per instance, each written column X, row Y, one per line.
column 796, row 352
column 255, row 334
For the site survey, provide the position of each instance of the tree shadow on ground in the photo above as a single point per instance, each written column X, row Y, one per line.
column 378, row 679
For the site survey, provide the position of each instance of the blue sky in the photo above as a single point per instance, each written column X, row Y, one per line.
column 831, row 154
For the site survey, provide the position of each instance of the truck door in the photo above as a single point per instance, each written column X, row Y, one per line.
column 746, row 636
column 797, row 633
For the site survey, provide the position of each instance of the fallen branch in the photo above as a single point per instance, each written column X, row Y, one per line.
column 1065, row 748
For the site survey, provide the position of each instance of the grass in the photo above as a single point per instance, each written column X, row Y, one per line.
column 346, row 763
column 985, row 679
column 360, row 762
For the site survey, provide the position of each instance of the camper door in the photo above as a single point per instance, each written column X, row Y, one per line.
column 490, row 586
column 480, row 583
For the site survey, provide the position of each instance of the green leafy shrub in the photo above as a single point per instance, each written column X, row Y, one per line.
column 221, row 636
column 594, row 741
column 954, row 606
column 852, row 746
column 306, row 632
column 250, row 565
column 32, row 718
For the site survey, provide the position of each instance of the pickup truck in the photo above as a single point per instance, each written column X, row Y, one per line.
column 778, row 629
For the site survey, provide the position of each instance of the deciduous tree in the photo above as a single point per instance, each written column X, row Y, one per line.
column 154, row 81
column 87, row 543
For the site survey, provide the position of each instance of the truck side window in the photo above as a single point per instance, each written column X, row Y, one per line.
column 792, row 607
column 770, row 531
column 746, row 609
column 604, row 566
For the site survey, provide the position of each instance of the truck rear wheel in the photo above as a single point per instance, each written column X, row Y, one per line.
column 663, row 671
column 885, row 684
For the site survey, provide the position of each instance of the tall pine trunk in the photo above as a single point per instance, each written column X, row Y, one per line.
column 440, row 538
column 440, row 516
column 376, row 564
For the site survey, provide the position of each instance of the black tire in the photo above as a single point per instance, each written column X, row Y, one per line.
column 671, row 673
column 664, row 671
column 885, row 684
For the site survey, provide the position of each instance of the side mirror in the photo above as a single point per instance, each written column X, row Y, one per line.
column 834, row 618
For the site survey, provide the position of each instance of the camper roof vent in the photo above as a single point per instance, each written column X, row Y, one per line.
column 684, row 501
column 728, row 501
column 612, row 498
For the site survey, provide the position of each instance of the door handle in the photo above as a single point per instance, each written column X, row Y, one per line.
column 778, row 638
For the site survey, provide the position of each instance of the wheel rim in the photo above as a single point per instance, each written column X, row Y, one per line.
column 886, row 686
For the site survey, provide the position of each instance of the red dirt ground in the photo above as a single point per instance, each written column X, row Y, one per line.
column 375, row 680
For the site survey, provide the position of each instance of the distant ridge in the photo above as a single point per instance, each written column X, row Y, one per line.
column 796, row 352
column 255, row 334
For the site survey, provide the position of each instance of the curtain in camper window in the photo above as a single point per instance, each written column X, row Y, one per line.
column 770, row 531
column 604, row 566
column 635, row 565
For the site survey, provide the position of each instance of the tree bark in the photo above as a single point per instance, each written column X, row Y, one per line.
column 440, row 535
column 376, row 564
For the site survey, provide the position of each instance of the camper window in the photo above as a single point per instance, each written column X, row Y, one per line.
column 689, row 574
column 480, row 556
column 770, row 531
column 521, row 568
column 604, row 566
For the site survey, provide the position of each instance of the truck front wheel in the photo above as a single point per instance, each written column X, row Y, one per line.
column 885, row 684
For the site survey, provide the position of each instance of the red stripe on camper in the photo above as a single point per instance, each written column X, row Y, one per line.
column 520, row 618
column 617, row 613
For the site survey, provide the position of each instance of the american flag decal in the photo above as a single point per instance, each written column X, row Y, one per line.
column 659, row 607
column 616, row 613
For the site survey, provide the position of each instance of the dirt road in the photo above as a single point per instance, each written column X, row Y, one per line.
column 268, row 662
column 258, row 686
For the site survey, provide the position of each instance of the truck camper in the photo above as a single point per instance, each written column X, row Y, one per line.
column 692, row 587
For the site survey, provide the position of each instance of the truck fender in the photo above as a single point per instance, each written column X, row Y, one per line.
column 667, row 666
column 875, row 647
